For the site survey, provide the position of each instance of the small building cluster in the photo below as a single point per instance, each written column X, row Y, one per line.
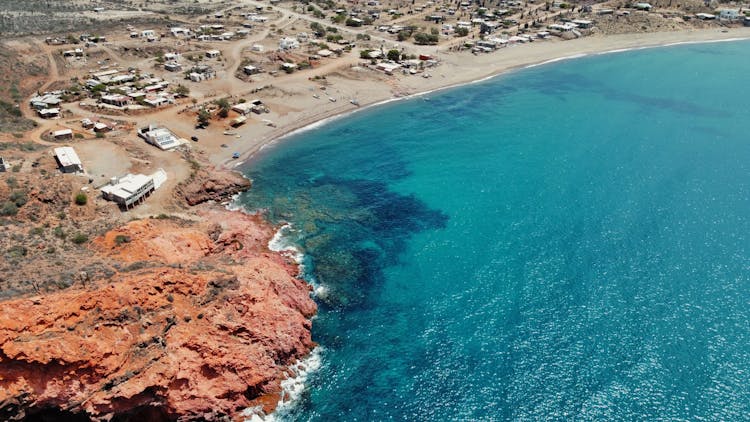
column 96, row 127
column 201, row 73
column 124, row 90
column 47, row 105
column 255, row 106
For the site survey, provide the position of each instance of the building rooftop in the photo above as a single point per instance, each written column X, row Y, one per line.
column 67, row 156
column 127, row 185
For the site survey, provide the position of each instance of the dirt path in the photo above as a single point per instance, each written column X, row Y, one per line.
column 43, row 125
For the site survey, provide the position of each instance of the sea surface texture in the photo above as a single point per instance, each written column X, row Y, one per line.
column 569, row 241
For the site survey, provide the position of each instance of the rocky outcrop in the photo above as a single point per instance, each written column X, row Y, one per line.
column 199, row 323
column 207, row 184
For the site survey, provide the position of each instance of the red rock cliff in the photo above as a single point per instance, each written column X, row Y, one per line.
column 200, row 322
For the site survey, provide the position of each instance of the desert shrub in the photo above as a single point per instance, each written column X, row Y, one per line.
column 121, row 238
column 81, row 199
column 80, row 238
column 18, row 197
column 17, row 251
column 8, row 209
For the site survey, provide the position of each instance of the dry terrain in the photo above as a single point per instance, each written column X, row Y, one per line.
column 150, row 312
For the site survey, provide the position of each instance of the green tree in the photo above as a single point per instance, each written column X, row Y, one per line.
column 181, row 90
column 224, row 107
column 203, row 117
column 318, row 29
column 394, row 55
column 422, row 38
column 462, row 31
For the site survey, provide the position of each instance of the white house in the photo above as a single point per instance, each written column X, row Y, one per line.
column 250, row 70
column 49, row 113
column 288, row 43
column 129, row 190
column 62, row 134
column 68, row 160
column 729, row 14
column 243, row 108
column 160, row 137
column 582, row 23
column 173, row 66
column 212, row 54
column 180, row 32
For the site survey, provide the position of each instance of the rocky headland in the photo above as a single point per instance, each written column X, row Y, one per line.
column 198, row 321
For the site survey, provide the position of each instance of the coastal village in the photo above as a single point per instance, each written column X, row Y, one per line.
column 219, row 84
column 144, row 112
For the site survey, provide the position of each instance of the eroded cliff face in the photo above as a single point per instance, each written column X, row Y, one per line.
column 199, row 322
column 209, row 184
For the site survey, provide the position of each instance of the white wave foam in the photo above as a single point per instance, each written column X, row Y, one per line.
column 292, row 388
column 284, row 242
column 557, row 59
column 281, row 243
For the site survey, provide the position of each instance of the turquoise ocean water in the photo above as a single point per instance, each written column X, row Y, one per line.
column 569, row 241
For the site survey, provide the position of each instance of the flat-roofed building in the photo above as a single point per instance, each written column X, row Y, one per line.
column 49, row 113
column 62, row 134
column 101, row 127
column 118, row 100
column 129, row 190
column 68, row 160
column 160, row 137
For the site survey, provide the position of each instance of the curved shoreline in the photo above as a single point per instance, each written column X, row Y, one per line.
column 583, row 47
column 319, row 119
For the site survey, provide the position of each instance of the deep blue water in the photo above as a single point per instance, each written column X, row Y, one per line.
column 569, row 241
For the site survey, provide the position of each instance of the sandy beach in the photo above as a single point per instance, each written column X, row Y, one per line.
column 179, row 252
column 296, row 107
